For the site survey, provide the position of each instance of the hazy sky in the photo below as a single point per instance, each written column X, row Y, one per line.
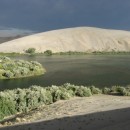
column 43, row 15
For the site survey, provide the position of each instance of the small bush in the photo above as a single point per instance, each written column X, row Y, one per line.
column 20, row 100
column 106, row 90
column 48, row 52
column 83, row 92
column 8, row 74
column 7, row 107
column 57, row 95
column 95, row 90
column 71, row 88
column 125, row 91
column 121, row 90
column 31, row 50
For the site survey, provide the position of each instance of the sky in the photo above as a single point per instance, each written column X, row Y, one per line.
column 45, row 15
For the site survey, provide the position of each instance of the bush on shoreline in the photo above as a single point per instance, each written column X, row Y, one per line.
column 24, row 100
column 19, row 68
column 31, row 51
column 48, row 52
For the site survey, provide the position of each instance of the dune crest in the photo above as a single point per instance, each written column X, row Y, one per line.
column 81, row 39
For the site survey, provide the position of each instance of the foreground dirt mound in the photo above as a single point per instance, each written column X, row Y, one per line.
column 99, row 112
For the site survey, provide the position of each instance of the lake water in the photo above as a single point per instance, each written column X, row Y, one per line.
column 98, row 70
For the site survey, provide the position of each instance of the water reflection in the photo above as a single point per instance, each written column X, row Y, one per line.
column 81, row 70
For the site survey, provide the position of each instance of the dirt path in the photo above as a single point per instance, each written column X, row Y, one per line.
column 100, row 112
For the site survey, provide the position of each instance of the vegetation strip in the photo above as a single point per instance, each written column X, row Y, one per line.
column 23, row 100
column 32, row 51
column 19, row 68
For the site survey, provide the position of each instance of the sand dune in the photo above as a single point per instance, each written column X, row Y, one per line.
column 83, row 39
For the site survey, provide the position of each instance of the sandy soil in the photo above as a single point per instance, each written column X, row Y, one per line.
column 82, row 39
column 100, row 112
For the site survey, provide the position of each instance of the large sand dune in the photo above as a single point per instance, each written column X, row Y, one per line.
column 83, row 39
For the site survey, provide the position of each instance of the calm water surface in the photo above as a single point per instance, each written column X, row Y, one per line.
column 95, row 70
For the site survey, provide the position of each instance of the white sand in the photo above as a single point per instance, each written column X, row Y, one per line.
column 83, row 39
column 101, row 112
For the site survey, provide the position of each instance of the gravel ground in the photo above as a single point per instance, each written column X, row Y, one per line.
column 99, row 112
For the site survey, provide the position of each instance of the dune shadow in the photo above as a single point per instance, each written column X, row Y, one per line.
column 118, row 119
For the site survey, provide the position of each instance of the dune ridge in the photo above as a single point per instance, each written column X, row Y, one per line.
column 81, row 39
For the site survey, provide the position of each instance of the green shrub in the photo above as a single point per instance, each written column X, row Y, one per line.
column 17, row 72
column 4, row 59
column 25, row 71
column 117, row 89
column 19, row 68
column 31, row 50
column 57, row 95
column 32, row 99
column 35, row 63
column 121, row 90
column 83, row 92
column 60, row 95
column 48, row 98
column 48, row 52
column 23, row 100
column 95, row 90
column 7, row 106
column 66, row 94
column 106, row 90
column 71, row 88
column 8, row 74
column 20, row 100
column 125, row 91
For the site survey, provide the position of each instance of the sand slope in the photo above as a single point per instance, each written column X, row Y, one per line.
column 72, row 39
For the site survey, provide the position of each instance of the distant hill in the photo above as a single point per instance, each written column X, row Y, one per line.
column 9, row 38
column 82, row 39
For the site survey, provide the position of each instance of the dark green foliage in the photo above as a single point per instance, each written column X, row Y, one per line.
column 71, row 88
column 126, row 91
column 20, row 100
column 7, row 106
column 106, row 90
column 19, row 68
column 31, row 50
column 61, row 94
column 83, row 92
column 48, row 52
column 95, row 90
column 118, row 89
column 8, row 74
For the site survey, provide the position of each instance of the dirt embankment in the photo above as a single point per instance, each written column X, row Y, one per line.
column 99, row 112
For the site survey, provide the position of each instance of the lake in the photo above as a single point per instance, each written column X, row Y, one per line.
column 98, row 70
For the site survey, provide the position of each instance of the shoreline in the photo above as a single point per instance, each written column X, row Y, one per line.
column 65, row 53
